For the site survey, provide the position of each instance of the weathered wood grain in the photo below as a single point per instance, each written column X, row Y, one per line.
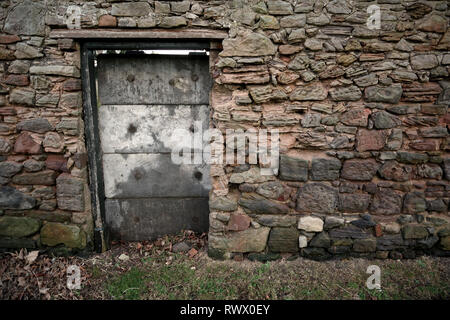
column 139, row 34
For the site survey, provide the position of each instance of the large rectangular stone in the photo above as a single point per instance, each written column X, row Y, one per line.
column 283, row 240
column 293, row 169
column 70, row 192
column 68, row 71
column 46, row 177
column 130, row 9
column 247, row 77
column 250, row 240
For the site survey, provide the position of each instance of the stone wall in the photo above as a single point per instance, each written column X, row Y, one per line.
column 44, row 195
column 362, row 115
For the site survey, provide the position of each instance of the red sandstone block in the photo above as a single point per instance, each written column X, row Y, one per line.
column 8, row 38
column 57, row 162
column 107, row 21
column 238, row 222
column 17, row 80
column 378, row 230
column 72, row 85
column 8, row 112
column 371, row 57
column 370, row 140
column 26, row 144
column 425, row 145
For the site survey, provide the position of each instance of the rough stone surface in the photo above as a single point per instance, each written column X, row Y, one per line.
column 53, row 233
column 389, row 94
column 68, row 71
column 434, row 23
column 355, row 117
column 23, row 96
column 31, row 12
column 359, row 169
column 38, row 125
column 10, row 198
column 310, row 224
column 251, row 45
column 250, row 240
column 56, row 162
column 351, row 93
column 370, row 140
column 16, row 227
column 223, row 203
column 412, row 231
column 395, row 171
column 414, row 202
column 257, row 204
column 411, row 157
column 238, row 222
column 424, row 61
column 250, row 176
column 386, row 202
column 271, row 190
column 356, row 203
column 321, row 240
column 130, row 9
column 173, row 22
column 317, row 198
column 390, row 242
column 293, row 169
column 276, row 220
column 46, row 177
column 9, row 168
column 384, row 120
column 25, row 143
column 293, row 21
column 283, row 240
column 315, row 253
column 365, row 245
column 302, row 242
column 311, row 92
column 278, row 7
column 52, row 142
column 445, row 243
column 5, row 146
column 365, row 222
column 325, row 169
column 70, row 192
column 107, row 21
column 349, row 231
column 333, row 222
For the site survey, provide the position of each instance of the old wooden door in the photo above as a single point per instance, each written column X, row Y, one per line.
column 142, row 99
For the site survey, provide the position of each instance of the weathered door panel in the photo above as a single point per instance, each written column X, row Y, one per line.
column 153, row 175
column 143, row 101
column 162, row 216
column 139, row 128
column 153, row 79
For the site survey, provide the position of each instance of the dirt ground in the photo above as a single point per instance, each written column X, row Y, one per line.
column 152, row 270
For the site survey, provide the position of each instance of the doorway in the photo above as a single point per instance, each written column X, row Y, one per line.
column 139, row 95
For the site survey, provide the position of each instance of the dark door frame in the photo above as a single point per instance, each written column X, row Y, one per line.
column 90, row 116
